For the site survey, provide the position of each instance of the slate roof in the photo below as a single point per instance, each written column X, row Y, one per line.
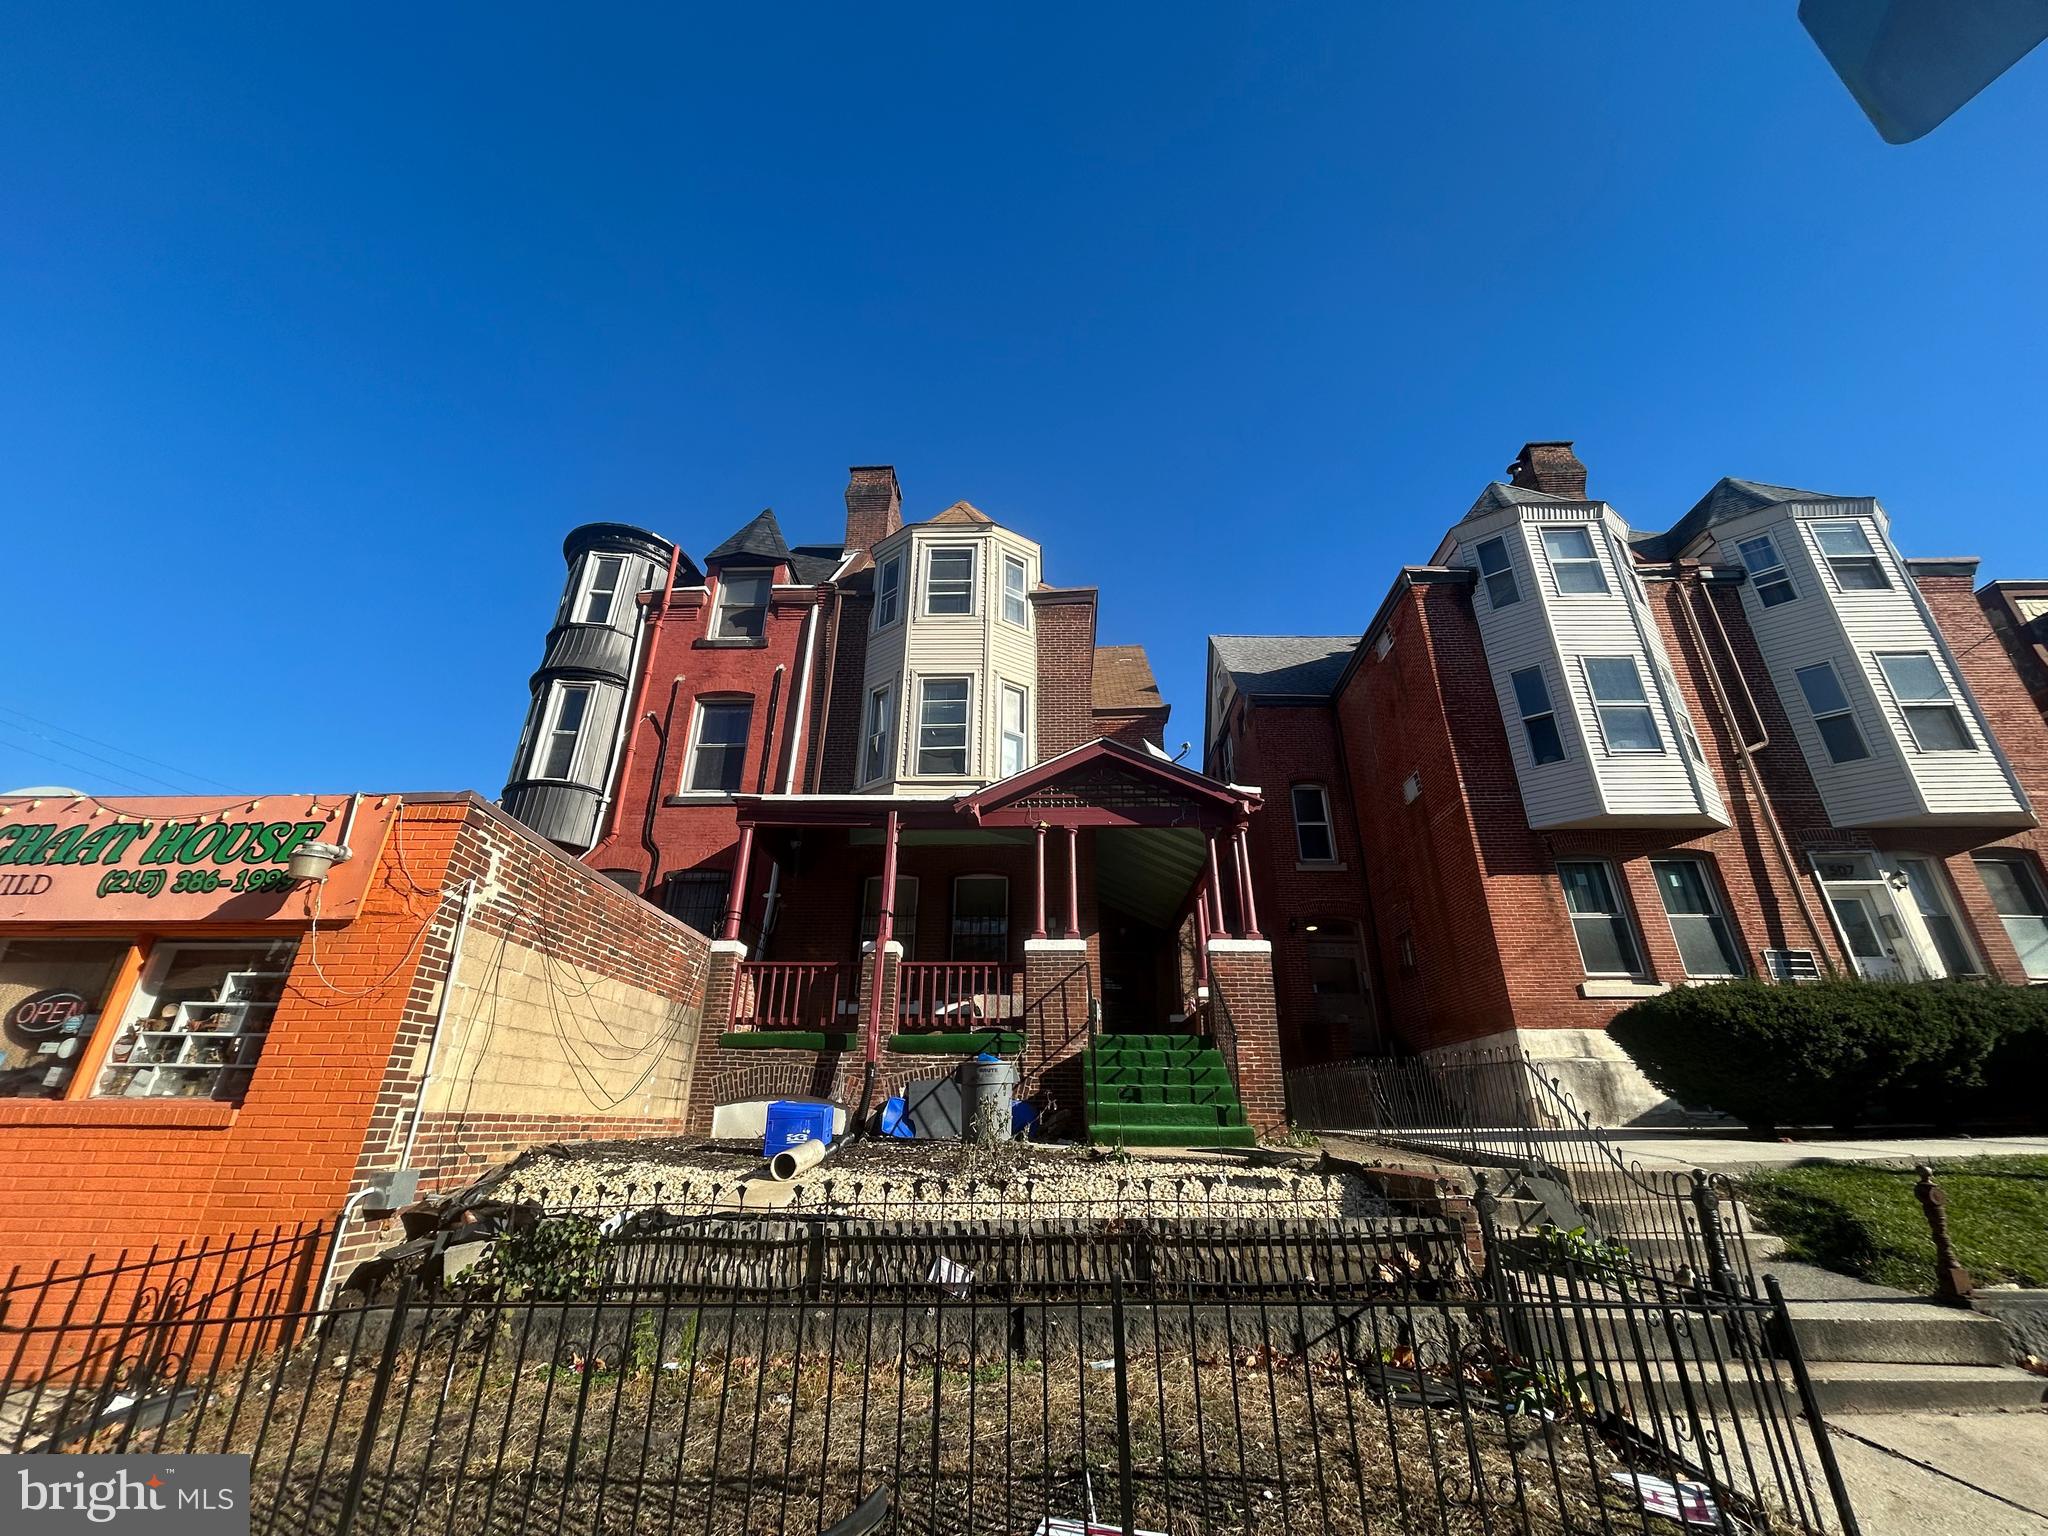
column 1500, row 494
column 761, row 539
column 1729, row 499
column 1285, row 664
column 1123, row 680
column 812, row 565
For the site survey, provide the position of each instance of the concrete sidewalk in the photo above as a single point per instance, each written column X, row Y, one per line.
column 1933, row 1474
column 1734, row 1152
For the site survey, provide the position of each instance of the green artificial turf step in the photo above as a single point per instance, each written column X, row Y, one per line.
column 1173, row 1136
column 1186, row 1060
column 1108, row 1077
column 1166, row 1114
column 970, row 1042
column 1160, row 1093
column 785, row 1040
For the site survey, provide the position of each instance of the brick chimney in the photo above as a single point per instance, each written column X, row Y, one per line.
column 874, row 505
column 1548, row 467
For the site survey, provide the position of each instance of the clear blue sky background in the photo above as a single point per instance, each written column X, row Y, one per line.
column 318, row 330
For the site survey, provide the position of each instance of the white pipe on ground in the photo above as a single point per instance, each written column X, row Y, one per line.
column 791, row 1161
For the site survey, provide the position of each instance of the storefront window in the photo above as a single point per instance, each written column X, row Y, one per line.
column 198, row 1022
column 52, row 992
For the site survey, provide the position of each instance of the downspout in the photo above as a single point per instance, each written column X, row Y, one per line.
column 799, row 700
column 885, row 934
column 419, row 1103
column 1689, row 581
column 666, row 726
column 814, row 746
column 768, row 728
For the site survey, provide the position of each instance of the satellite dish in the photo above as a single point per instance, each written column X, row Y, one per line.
column 51, row 791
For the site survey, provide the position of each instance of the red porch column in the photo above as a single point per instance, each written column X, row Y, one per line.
column 738, row 899
column 1241, row 842
column 1038, row 911
column 1073, row 882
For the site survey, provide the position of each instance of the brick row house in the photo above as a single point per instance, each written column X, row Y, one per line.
column 905, row 743
column 1570, row 763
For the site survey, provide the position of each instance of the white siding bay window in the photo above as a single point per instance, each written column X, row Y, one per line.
column 942, row 732
column 1016, row 739
column 1627, row 723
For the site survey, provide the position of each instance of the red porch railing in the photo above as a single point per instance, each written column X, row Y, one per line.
column 794, row 994
column 948, row 994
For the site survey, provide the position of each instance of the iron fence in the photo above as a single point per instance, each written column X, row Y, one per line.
column 1323, row 1388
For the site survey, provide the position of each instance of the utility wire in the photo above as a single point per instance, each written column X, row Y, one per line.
column 154, row 762
column 65, row 746
column 70, row 767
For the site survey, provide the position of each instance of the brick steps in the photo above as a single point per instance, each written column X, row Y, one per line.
column 1161, row 1091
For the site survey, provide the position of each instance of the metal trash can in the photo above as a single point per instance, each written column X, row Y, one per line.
column 989, row 1086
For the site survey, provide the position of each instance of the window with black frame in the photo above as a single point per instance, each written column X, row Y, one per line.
column 981, row 918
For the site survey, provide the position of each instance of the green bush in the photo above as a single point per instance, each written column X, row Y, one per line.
column 1845, row 1052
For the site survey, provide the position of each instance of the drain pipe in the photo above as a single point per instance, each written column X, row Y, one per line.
column 419, row 1103
column 1689, row 583
column 885, row 933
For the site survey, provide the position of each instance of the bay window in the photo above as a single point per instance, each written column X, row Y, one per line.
column 942, row 726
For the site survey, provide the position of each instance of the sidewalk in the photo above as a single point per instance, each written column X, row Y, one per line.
column 1735, row 1152
column 1931, row 1474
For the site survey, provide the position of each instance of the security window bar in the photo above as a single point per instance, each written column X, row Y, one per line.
column 742, row 605
column 1627, row 723
column 942, row 726
column 1698, row 923
column 1767, row 571
column 1832, row 716
column 875, row 754
column 903, row 921
column 1312, row 835
column 981, row 918
column 949, row 581
column 1846, row 548
column 1539, row 716
column 1924, row 698
column 602, row 575
column 565, row 725
column 2015, row 886
column 889, row 592
column 1015, row 609
column 1498, row 571
column 1573, row 560
column 1015, row 740
column 1607, row 942
column 1931, row 897
column 718, row 757
column 697, row 897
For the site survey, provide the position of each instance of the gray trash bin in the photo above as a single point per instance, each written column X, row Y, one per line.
column 988, row 1087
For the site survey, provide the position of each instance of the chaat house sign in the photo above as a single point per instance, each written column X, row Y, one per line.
column 145, row 943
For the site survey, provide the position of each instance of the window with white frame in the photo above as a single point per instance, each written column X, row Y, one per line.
column 1627, row 723
column 875, row 751
column 1767, row 571
column 718, row 746
column 1923, row 697
column 1313, row 838
column 1681, row 713
column 1015, row 609
column 2014, row 882
column 1832, row 715
column 1607, row 940
column 889, row 592
column 602, row 576
column 1539, row 716
column 1573, row 559
column 555, row 752
column 1498, row 572
column 942, row 725
column 742, row 605
column 1699, row 924
column 949, row 580
column 981, row 918
column 1016, row 749
column 1846, row 548
column 1929, row 889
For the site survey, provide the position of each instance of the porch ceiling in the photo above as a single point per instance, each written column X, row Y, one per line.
column 1147, row 871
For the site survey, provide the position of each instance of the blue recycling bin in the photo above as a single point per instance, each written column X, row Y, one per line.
column 790, row 1123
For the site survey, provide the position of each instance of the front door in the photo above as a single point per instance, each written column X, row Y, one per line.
column 1864, row 922
column 1343, row 1009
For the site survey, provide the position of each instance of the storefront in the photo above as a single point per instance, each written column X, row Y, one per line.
column 145, row 946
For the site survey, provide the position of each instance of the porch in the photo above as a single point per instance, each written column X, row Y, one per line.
column 1098, row 894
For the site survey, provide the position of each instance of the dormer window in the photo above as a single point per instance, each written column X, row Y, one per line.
column 889, row 592
column 1498, row 572
column 1767, row 571
column 742, row 605
column 1573, row 560
column 1923, row 697
column 601, row 577
column 949, row 580
column 1847, row 550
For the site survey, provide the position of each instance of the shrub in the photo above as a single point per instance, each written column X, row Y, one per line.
column 1844, row 1052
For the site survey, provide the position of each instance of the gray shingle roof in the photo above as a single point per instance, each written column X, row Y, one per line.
column 761, row 539
column 813, row 564
column 1730, row 498
column 1295, row 664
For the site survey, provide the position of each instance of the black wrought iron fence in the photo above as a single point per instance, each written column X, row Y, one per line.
column 1331, row 1392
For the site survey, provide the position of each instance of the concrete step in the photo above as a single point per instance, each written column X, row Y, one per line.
column 1650, row 1216
column 1668, row 1253
column 1903, row 1333
column 1840, row 1386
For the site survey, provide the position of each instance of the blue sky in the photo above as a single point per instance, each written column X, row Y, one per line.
column 318, row 328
